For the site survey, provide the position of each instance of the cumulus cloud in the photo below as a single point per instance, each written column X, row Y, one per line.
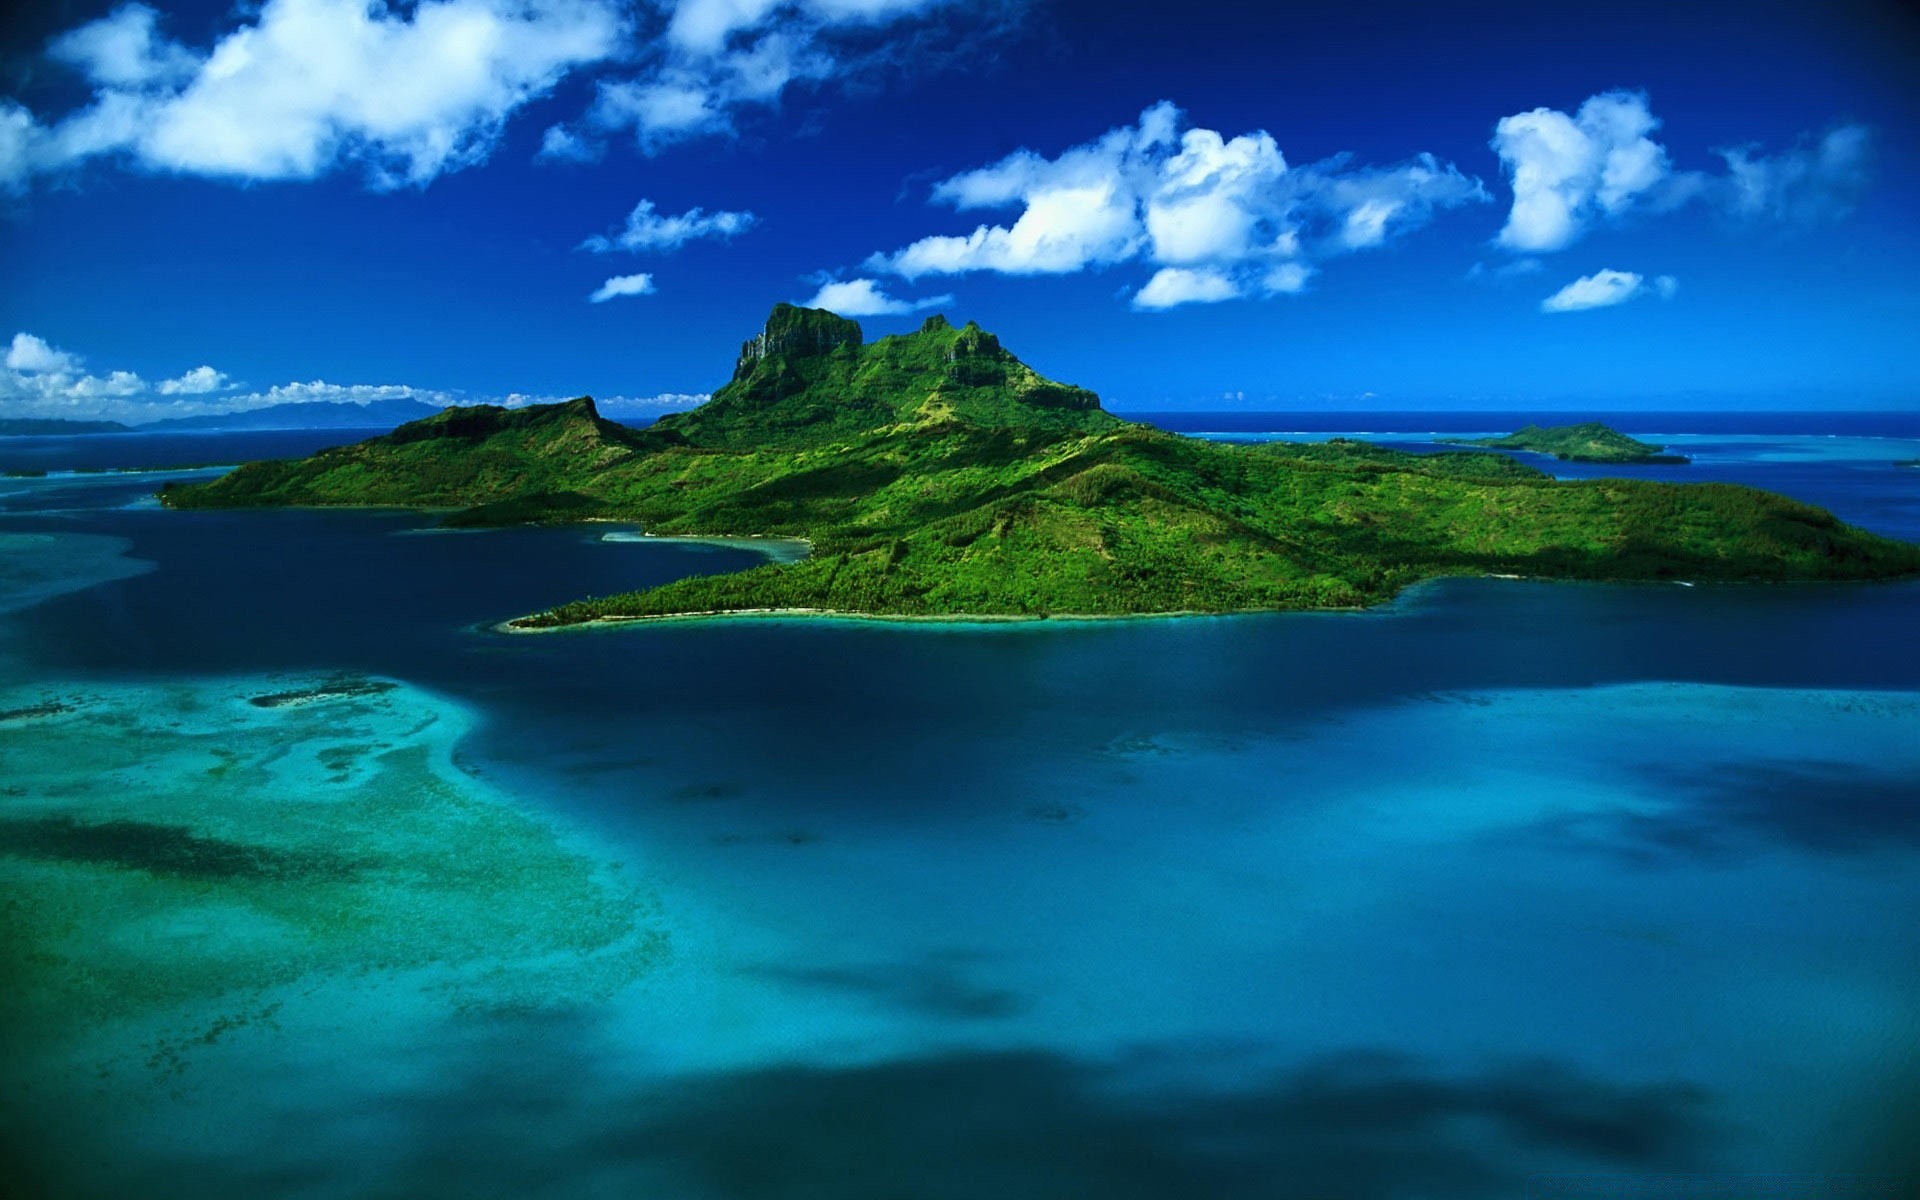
column 1567, row 170
column 650, row 406
column 407, row 90
column 40, row 380
column 622, row 285
column 125, row 50
column 1171, row 286
column 1606, row 288
column 33, row 354
column 647, row 229
column 303, row 86
column 863, row 298
column 1808, row 183
column 197, row 382
column 560, row 144
column 718, row 58
column 1571, row 171
column 1220, row 217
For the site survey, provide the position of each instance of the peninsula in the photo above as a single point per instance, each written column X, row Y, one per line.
column 1591, row 442
column 937, row 475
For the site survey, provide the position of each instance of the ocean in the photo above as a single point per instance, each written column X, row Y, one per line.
column 321, row 886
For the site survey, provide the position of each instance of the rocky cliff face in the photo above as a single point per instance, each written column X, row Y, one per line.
column 797, row 333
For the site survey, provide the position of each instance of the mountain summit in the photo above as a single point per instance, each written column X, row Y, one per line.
column 810, row 378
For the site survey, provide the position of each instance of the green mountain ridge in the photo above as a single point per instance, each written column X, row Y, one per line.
column 937, row 475
column 808, row 378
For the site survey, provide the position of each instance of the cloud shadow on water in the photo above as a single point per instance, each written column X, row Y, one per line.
column 533, row 1115
column 1729, row 811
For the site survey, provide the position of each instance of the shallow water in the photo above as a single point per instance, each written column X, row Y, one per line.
column 1508, row 878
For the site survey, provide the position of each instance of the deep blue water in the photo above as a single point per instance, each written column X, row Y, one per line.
column 1898, row 424
column 119, row 451
column 1505, row 878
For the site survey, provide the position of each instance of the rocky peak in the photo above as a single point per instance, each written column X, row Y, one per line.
column 974, row 342
column 794, row 332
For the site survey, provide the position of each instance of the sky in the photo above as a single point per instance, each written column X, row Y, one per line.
column 1201, row 206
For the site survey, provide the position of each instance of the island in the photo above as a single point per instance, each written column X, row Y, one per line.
column 935, row 475
column 1591, row 442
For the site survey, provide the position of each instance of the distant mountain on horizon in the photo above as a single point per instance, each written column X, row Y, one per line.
column 54, row 426
column 305, row 414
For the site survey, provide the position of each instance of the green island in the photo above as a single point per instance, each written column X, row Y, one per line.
column 1591, row 442
column 935, row 475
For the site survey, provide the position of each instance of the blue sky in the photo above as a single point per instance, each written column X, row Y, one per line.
column 1200, row 206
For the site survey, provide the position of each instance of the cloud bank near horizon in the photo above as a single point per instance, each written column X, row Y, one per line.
column 41, row 381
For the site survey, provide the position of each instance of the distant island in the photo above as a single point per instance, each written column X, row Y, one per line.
column 1588, row 443
column 304, row 414
column 936, row 475
column 56, row 426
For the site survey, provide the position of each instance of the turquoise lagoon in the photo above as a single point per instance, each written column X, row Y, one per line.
column 318, row 886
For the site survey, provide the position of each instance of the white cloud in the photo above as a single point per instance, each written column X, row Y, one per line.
column 306, row 86
column 622, row 285
column 125, row 50
column 560, row 144
column 1512, row 269
column 650, row 406
column 319, row 391
column 1808, row 183
column 1568, row 170
column 1172, row 286
column 1064, row 229
column 646, row 229
column 1229, row 213
column 33, row 354
column 718, row 58
column 40, row 381
column 408, row 90
column 1667, row 286
column 1287, row 279
column 1603, row 289
column 20, row 136
column 197, row 382
column 863, row 298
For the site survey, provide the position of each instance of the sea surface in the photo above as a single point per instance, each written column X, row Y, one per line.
column 1505, row 889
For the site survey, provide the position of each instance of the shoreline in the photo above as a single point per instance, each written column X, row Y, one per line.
column 1384, row 607
column 774, row 546
column 833, row 614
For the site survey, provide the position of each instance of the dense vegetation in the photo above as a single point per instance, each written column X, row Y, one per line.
column 1588, row 443
column 935, row 474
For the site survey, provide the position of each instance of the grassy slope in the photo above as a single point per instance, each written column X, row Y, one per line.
column 1589, row 443
column 937, row 475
